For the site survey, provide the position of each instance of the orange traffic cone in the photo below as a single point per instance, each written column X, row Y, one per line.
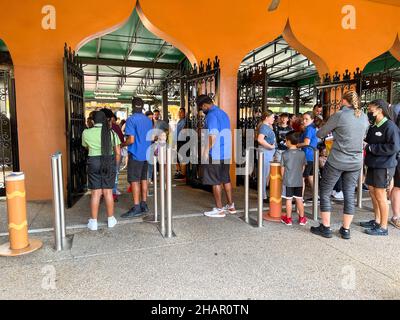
column 275, row 188
column 17, row 221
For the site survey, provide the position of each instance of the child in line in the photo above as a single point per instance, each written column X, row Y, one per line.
column 293, row 163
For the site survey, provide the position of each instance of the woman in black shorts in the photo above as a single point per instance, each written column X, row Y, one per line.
column 104, row 152
column 383, row 145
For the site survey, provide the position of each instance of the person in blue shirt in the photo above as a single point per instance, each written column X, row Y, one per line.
column 266, row 139
column 179, row 127
column 308, row 141
column 138, row 141
column 217, row 156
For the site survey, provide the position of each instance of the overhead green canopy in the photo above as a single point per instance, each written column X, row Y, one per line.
column 3, row 47
column 132, row 42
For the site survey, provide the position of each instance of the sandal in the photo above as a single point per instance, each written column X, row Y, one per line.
column 395, row 223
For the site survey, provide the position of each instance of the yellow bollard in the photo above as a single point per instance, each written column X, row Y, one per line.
column 275, row 189
column 17, row 220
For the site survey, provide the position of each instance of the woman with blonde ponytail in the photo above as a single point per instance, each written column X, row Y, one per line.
column 349, row 127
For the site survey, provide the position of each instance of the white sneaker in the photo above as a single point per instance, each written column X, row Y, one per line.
column 92, row 225
column 230, row 208
column 338, row 195
column 215, row 213
column 112, row 222
column 118, row 193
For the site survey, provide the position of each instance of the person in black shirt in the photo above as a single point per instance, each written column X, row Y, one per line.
column 281, row 130
column 383, row 145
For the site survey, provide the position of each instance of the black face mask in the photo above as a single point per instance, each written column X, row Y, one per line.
column 371, row 117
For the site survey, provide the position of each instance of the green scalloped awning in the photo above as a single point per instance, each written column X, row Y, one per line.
column 3, row 47
column 130, row 42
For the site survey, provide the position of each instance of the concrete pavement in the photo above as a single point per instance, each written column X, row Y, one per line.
column 209, row 258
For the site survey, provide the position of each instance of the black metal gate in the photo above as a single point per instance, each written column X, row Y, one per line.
column 9, row 161
column 369, row 87
column 75, row 124
column 201, row 80
column 331, row 91
column 379, row 86
column 252, row 101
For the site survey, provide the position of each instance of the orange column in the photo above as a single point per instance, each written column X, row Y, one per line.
column 17, row 218
column 275, row 188
column 41, row 122
column 228, row 103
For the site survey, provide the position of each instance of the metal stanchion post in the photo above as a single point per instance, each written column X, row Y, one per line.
column 169, row 192
column 61, row 198
column 260, row 187
column 360, row 189
column 155, row 185
column 316, row 185
column 162, row 189
column 62, row 242
column 56, row 203
column 246, row 186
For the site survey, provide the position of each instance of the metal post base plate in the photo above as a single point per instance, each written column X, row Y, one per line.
column 311, row 216
column 34, row 245
column 252, row 222
column 165, row 236
column 150, row 219
column 67, row 242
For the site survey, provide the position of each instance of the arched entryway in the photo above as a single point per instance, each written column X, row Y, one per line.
column 8, row 119
column 279, row 77
column 106, row 72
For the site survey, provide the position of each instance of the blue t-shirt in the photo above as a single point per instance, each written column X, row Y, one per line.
column 139, row 126
column 218, row 124
column 180, row 126
column 269, row 134
column 310, row 133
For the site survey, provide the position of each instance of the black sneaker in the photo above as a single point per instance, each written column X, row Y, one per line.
column 144, row 207
column 322, row 231
column 368, row 224
column 179, row 176
column 345, row 233
column 365, row 187
column 134, row 212
column 377, row 231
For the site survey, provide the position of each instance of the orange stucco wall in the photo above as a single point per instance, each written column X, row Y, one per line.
column 200, row 28
column 37, row 56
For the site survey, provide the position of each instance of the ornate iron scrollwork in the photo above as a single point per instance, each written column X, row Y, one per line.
column 252, row 83
column 8, row 127
column 75, row 124
column 202, row 79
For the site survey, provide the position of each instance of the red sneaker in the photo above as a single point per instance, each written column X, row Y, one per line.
column 286, row 220
column 302, row 221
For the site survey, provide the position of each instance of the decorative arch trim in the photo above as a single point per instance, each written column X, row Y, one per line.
column 293, row 41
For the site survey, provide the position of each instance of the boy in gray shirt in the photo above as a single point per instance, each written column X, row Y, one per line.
column 292, row 167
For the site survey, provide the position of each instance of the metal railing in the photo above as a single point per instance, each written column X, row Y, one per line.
column 260, row 186
column 164, row 159
column 62, row 242
column 315, row 184
column 260, row 170
column 360, row 188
